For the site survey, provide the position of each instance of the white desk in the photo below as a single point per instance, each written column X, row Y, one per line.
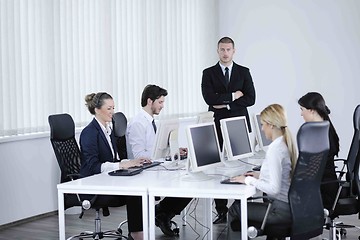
column 106, row 185
column 172, row 185
column 152, row 183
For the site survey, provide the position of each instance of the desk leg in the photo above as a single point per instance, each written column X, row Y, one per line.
column 243, row 203
column 208, row 218
column 183, row 216
column 61, row 213
column 145, row 207
column 151, row 215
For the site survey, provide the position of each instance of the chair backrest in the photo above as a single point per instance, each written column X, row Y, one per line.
column 120, row 125
column 304, row 193
column 356, row 166
column 357, row 181
column 67, row 152
column 354, row 147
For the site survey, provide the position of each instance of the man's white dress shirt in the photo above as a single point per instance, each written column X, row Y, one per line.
column 140, row 136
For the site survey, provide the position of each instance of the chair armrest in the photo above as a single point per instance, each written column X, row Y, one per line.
column 85, row 203
column 267, row 198
column 340, row 182
column 340, row 159
column 340, row 171
column 330, row 181
column 252, row 231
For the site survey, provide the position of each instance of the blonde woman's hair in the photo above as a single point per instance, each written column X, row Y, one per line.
column 275, row 115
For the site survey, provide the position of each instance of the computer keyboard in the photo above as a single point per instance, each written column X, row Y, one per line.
column 146, row 165
column 126, row 172
column 150, row 165
column 228, row 181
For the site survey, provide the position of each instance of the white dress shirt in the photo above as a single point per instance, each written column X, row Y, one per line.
column 140, row 136
column 274, row 179
column 230, row 69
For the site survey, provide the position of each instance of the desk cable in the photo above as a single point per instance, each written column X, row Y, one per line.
column 252, row 164
column 192, row 214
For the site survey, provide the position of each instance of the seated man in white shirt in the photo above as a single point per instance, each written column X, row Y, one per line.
column 140, row 139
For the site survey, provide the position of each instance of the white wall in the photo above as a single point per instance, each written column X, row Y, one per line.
column 290, row 47
column 293, row 47
column 28, row 177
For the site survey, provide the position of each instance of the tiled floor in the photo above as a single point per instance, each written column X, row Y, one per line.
column 47, row 228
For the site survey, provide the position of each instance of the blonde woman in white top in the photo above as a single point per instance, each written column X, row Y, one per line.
column 275, row 174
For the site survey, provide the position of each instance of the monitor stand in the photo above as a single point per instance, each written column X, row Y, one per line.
column 259, row 154
column 174, row 154
column 194, row 176
column 174, row 165
column 232, row 168
column 233, row 165
column 174, row 146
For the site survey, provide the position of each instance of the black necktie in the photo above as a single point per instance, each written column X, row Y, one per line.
column 227, row 75
column 154, row 126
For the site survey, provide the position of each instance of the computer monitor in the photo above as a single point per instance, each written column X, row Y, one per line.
column 166, row 140
column 261, row 139
column 237, row 142
column 204, row 150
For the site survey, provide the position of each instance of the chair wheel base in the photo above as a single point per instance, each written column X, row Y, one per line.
column 341, row 225
column 90, row 235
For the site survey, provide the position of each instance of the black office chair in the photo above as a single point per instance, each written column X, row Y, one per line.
column 304, row 194
column 119, row 127
column 67, row 152
column 347, row 198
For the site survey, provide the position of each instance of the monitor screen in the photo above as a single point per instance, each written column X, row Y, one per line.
column 166, row 142
column 204, row 150
column 260, row 136
column 237, row 142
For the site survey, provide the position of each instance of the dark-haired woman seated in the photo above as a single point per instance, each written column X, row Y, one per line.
column 314, row 109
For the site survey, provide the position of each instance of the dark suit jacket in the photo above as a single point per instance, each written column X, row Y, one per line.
column 216, row 91
column 95, row 149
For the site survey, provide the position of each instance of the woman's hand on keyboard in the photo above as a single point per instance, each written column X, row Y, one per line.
column 134, row 163
column 254, row 174
column 239, row 179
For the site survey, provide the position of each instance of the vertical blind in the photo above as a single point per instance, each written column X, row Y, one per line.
column 54, row 52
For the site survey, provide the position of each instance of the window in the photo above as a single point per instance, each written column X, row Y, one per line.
column 53, row 53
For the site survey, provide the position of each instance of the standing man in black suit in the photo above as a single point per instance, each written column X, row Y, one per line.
column 228, row 89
